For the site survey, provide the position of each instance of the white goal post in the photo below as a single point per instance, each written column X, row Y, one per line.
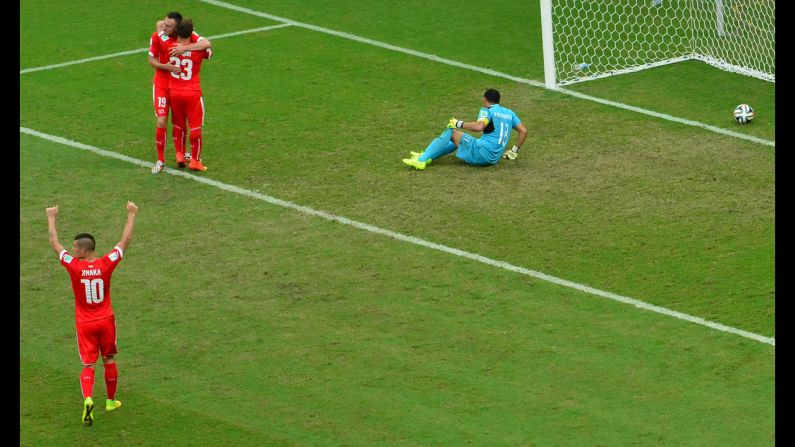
column 591, row 39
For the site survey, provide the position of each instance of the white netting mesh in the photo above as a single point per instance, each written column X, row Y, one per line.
column 597, row 38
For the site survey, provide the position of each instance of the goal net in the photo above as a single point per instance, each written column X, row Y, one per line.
column 589, row 39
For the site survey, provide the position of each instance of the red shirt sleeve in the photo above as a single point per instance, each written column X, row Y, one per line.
column 112, row 258
column 154, row 45
column 67, row 260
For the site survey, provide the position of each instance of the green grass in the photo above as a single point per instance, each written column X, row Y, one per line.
column 299, row 331
column 243, row 323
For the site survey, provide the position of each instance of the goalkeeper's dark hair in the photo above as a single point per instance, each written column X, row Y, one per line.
column 492, row 96
column 86, row 241
column 185, row 28
column 174, row 15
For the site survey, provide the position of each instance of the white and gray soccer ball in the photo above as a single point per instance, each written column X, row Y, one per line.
column 743, row 114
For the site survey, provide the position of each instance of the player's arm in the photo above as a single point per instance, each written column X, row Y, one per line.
column 159, row 26
column 477, row 126
column 513, row 152
column 52, row 214
column 126, row 236
column 202, row 44
column 168, row 67
column 522, row 135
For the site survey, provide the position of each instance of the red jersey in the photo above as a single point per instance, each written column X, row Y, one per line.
column 159, row 48
column 188, row 80
column 91, row 284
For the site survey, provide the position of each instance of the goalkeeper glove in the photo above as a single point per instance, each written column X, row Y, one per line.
column 511, row 153
column 455, row 123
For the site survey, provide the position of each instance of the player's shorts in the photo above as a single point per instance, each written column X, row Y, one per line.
column 474, row 152
column 187, row 105
column 160, row 100
column 94, row 337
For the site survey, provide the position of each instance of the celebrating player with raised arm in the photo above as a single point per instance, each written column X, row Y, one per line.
column 495, row 121
column 94, row 319
column 162, row 51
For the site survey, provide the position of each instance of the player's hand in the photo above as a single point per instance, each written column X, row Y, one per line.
column 511, row 153
column 132, row 208
column 453, row 123
column 178, row 49
column 52, row 211
column 176, row 69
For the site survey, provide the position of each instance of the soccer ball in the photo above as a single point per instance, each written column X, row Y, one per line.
column 743, row 114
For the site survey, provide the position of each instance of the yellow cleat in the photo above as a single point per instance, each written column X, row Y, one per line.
column 416, row 163
column 88, row 411
column 415, row 154
column 111, row 405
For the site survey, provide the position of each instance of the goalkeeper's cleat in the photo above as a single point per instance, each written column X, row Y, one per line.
column 159, row 166
column 88, row 411
column 196, row 165
column 180, row 159
column 415, row 154
column 111, row 404
column 416, row 163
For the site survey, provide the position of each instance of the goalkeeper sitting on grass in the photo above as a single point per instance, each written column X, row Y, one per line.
column 496, row 123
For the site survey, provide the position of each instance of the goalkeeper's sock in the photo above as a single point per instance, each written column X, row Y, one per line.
column 441, row 145
column 160, row 143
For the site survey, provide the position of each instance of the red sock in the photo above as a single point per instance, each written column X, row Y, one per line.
column 87, row 381
column 179, row 139
column 160, row 142
column 111, row 374
column 196, row 143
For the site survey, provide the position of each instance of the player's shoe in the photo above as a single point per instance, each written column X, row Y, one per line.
column 415, row 154
column 159, row 166
column 180, row 159
column 416, row 163
column 196, row 165
column 111, row 405
column 88, row 411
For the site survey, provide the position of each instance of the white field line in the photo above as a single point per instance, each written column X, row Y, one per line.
column 491, row 72
column 144, row 50
column 410, row 239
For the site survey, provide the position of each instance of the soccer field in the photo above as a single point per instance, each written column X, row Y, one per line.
column 614, row 285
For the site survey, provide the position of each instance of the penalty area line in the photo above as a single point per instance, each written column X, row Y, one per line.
column 411, row 239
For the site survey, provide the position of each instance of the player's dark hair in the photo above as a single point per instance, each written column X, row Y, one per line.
column 185, row 28
column 174, row 15
column 492, row 96
column 86, row 241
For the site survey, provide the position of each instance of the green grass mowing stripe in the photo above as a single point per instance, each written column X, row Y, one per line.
column 421, row 242
column 308, row 332
column 491, row 72
column 144, row 50
column 53, row 32
column 145, row 418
